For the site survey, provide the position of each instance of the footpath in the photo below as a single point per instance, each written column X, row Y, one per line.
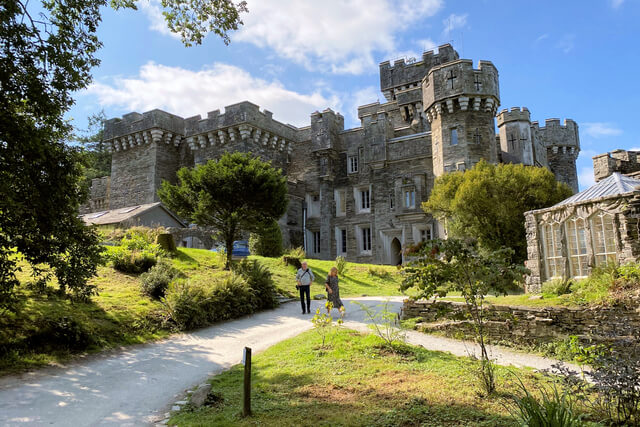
column 138, row 385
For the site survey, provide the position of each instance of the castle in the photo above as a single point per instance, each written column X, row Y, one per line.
column 353, row 192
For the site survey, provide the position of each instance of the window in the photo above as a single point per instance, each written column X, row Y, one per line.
column 365, row 239
column 365, row 199
column 477, row 136
column 454, row 136
column 603, row 238
column 343, row 241
column 410, row 198
column 392, row 201
column 425, row 234
column 341, row 202
column 577, row 245
column 316, row 242
column 313, row 205
column 352, row 164
column 553, row 250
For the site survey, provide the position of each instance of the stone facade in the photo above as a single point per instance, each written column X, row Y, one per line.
column 622, row 161
column 353, row 192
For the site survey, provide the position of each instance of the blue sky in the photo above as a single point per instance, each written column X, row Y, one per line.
column 569, row 59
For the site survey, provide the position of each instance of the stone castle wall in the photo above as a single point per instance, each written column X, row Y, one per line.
column 623, row 161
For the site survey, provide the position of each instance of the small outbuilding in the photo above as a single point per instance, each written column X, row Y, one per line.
column 589, row 229
column 148, row 215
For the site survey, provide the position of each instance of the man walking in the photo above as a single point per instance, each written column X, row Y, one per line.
column 304, row 278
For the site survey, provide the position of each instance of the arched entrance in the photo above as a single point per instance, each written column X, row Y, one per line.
column 396, row 252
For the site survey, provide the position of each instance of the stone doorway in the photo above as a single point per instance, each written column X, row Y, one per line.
column 396, row 252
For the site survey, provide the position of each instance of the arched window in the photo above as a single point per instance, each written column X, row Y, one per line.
column 577, row 247
column 603, row 238
column 552, row 250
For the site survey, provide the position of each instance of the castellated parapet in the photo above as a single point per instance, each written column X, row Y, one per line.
column 514, row 130
column 562, row 142
column 623, row 161
column 460, row 103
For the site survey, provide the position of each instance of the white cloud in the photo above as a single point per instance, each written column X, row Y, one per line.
column 157, row 22
column 566, row 43
column 585, row 177
column 426, row 44
column 364, row 96
column 453, row 22
column 600, row 129
column 187, row 93
column 616, row 3
column 340, row 36
column 542, row 37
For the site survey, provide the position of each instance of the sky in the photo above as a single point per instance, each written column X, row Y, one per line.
column 567, row 59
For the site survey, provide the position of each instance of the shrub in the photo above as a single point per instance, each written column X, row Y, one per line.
column 341, row 265
column 294, row 257
column 132, row 261
column 555, row 408
column 155, row 282
column 230, row 298
column 185, row 305
column 557, row 286
column 267, row 242
column 166, row 242
column 259, row 279
column 61, row 332
column 379, row 272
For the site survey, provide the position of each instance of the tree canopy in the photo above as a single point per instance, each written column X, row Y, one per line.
column 47, row 51
column 236, row 193
column 488, row 201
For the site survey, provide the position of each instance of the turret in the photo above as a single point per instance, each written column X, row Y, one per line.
column 563, row 146
column 460, row 102
column 514, row 128
column 325, row 127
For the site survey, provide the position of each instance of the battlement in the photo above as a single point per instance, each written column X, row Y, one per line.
column 404, row 75
column 553, row 133
column 514, row 115
column 622, row 161
column 325, row 127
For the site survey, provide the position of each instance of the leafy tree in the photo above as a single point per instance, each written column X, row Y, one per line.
column 95, row 158
column 267, row 241
column 487, row 202
column 455, row 265
column 47, row 51
column 235, row 193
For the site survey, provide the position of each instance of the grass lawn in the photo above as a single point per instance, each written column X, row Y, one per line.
column 355, row 382
column 46, row 327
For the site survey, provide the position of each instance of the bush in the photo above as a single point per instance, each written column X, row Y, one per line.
column 341, row 265
column 294, row 257
column 379, row 272
column 557, row 286
column 259, row 279
column 185, row 305
column 267, row 242
column 230, row 298
column 155, row 282
column 132, row 261
column 166, row 242
column 61, row 332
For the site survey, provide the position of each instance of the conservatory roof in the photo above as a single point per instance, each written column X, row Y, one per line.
column 614, row 185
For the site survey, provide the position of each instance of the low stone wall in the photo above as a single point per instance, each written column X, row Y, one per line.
column 528, row 324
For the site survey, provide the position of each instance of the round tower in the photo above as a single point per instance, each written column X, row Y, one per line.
column 563, row 146
column 514, row 129
column 460, row 102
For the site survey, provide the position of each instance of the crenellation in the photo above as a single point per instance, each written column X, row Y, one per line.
column 622, row 161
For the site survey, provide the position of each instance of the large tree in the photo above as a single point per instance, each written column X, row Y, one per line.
column 47, row 51
column 488, row 201
column 237, row 193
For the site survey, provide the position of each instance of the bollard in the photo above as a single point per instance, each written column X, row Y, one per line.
column 246, row 402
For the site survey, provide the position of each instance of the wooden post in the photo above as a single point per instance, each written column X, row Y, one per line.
column 246, row 402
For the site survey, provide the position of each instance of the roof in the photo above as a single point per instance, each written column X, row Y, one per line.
column 117, row 216
column 614, row 185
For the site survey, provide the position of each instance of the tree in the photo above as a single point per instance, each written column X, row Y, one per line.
column 235, row 193
column 95, row 159
column 455, row 265
column 267, row 241
column 44, row 58
column 487, row 202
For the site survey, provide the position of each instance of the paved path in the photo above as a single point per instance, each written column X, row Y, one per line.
column 137, row 385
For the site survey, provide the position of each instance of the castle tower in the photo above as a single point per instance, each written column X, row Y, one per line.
column 563, row 146
column 514, row 128
column 460, row 103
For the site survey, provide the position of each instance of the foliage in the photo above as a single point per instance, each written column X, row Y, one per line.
column 487, row 202
column 379, row 272
column 234, row 193
column 323, row 322
column 455, row 265
column 384, row 322
column 259, row 279
column 341, row 265
column 184, row 305
column 267, row 241
column 95, row 159
column 558, row 286
column 133, row 261
column 294, row 257
column 555, row 409
column 166, row 242
column 155, row 282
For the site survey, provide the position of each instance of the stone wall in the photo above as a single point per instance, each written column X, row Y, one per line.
column 528, row 324
column 625, row 162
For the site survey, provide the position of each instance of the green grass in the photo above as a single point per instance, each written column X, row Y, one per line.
column 357, row 280
column 121, row 315
column 355, row 381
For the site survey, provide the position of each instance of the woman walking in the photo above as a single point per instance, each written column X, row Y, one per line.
column 333, row 291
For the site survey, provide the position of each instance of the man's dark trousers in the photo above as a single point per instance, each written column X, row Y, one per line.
column 305, row 290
